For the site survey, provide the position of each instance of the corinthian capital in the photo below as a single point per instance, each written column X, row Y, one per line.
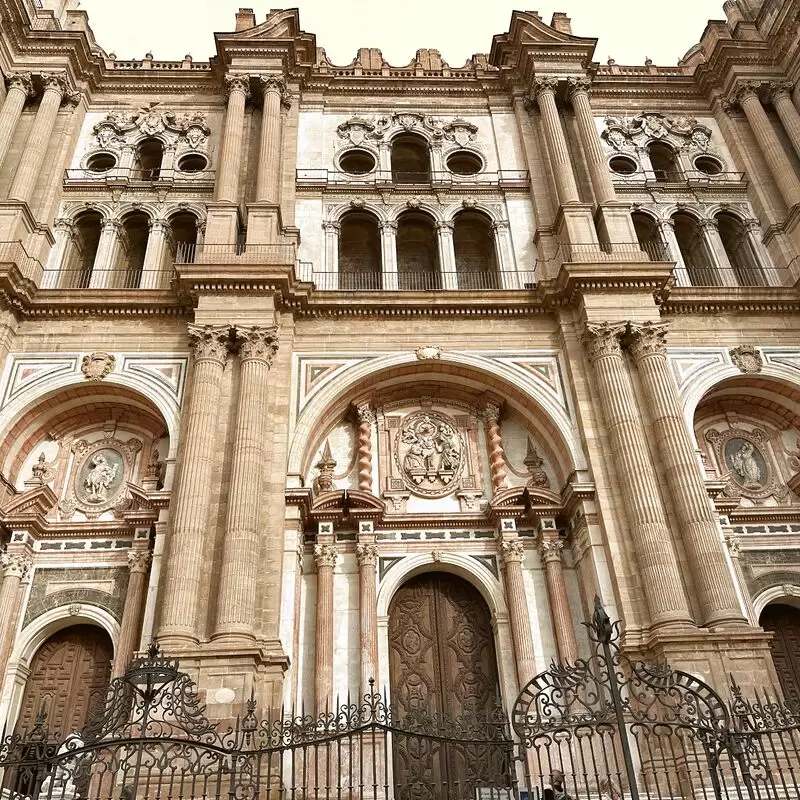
column 778, row 89
column 237, row 82
column 139, row 560
column 648, row 339
column 744, row 90
column 579, row 86
column 325, row 555
column 367, row 555
column 365, row 413
column 20, row 80
column 551, row 550
column 209, row 342
column 603, row 340
column 257, row 343
column 545, row 85
column 512, row 551
column 16, row 565
column 57, row 81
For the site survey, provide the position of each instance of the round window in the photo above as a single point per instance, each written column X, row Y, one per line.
column 357, row 162
column 193, row 162
column 623, row 165
column 101, row 162
column 464, row 163
column 708, row 165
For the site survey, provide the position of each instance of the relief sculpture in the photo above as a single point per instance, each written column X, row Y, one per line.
column 429, row 453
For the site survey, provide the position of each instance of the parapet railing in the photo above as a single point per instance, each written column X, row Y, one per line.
column 265, row 254
column 422, row 281
column 137, row 175
column 683, row 178
column 504, row 178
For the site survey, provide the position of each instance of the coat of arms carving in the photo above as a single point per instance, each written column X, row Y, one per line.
column 747, row 358
column 97, row 366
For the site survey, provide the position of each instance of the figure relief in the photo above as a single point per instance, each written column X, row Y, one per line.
column 99, row 479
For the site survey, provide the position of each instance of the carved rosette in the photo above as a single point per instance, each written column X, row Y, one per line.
column 139, row 560
column 325, row 555
column 209, row 342
column 16, row 565
column 513, row 550
column 97, row 366
column 648, row 339
column 256, row 343
column 366, row 555
column 551, row 550
column 603, row 340
column 747, row 358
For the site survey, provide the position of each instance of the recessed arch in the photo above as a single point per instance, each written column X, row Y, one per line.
column 475, row 251
column 359, row 251
column 417, row 251
column 411, row 161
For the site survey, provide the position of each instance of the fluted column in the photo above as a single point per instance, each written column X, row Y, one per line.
column 32, row 159
column 779, row 165
column 236, row 609
column 695, row 516
column 770, row 275
column 512, row 554
column 579, row 93
column 388, row 230
column 551, row 551
column 780, row 95
column 15, row 568
column 209, row 346
column 494, row 442
column 365, row 419
column 19, row 91
column 367, row 556
column 567, row 188
column 54, row 275
column 269, row 158
column 325, row 556
column 660, row 577
column 237, row 87
column 106, row 259
column 159, row 248
column 734, row 545
column 138, row 568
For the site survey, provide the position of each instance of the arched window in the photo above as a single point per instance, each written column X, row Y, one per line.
column 694, row 252
column 648, row 235
column 476, row 260
column 739, row 250
column 662, row 160
column 417, row 252
column 78, row 269
column 359, row 252
column 136, row 231
column 411, row 162
column 149, row 156
column 184, row 236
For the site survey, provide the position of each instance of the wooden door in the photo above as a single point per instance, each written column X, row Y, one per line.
column 70, row 671
column 784, row 623
column 442, row 663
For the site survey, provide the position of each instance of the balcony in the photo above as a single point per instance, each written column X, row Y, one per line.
column 736, row 181
column 417, row 281
column 268, row 255
column 502, row 179
column 124, row 277
column 131, row 176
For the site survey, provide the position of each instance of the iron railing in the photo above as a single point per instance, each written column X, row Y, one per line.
column 123, row 277
column 136, row 175
column 424, row 281
column 240, row 253
column 508, row 178
column 683, row 178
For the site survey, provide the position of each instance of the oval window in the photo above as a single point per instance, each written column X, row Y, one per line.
column 623, row 165
column 193, row 162
column 357, row 162
column 101, row 162
column 708, row 165
column 464, row 163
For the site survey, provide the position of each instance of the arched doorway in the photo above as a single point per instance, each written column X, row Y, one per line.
column 68, row 673
column 442, row 663
column 784, row 623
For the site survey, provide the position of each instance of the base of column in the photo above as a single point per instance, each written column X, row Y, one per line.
column 176, row 639
column 614, row 225
column 574, row 225
column 264, row 224
column 232, row 636
column 222, row 225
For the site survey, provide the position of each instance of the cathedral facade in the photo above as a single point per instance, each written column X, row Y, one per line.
column 338, row 376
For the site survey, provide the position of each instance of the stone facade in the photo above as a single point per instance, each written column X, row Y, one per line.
column 277, row 335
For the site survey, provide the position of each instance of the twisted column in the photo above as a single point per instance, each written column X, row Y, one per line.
column 494, row 440
column 19, row 92
column 209, row 346
column 780, row 95
column 365, row 417
column 551, row 551
column 325, row 556
column 367, row 557
column 566, row 187
column 236, row 610
column 660, row 575
column 138, row 567
column 16, row 567
column 512, row 554
column 704, row 547
column 237, row 88
column 32, row 159
column 269, row 158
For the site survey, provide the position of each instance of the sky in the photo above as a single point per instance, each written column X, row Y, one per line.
column 628, row 30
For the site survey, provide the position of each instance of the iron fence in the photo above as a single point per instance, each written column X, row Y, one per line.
column 602, row 728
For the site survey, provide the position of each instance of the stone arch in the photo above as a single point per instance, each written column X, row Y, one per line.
column 126, row 209
column 196, row 209
column 72, row 211
column 394, row 213
column 777, row 595
column 360, row 252
column 337, row 212
column 492, row 211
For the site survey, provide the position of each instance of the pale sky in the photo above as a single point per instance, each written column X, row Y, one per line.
column 628, row 30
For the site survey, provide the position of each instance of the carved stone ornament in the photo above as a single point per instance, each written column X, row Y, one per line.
column 747, row 358
column 325, row 555
column 682, row 132
column 428, row 353
column 604, row 339
column 429, row 453
column 139, row 560
column 325, row 466
column 551, row 550
column 16, row 565
column 257, row 343
column 209, row 342
column 648, row 339
column 513, row 550
column 534, row 463
column 97, row 366
column 366, row 555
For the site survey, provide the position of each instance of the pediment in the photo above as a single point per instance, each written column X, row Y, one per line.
column 35, row 502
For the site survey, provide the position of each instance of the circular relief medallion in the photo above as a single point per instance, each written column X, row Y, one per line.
column 747, row 464
column 429, row 453
column 100, row 477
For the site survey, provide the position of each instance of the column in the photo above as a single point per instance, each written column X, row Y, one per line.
column 19, row 91
column 567, row 188
column 734, row 545
column 8, row 329
column 237, row 87
column 447, row 255
column 718, row 256
column 512, row 554
column 780, row 95
column 55, row 275
column 367, row 556
column 761, row 254
column 660, row 576
column 551, row 550
column 32, row 159
column 138, row 567
column 388, row 230
column 509, row 278
column 666, row 228
column 209, row 347
column 155, row 274
column 325, row 556
column 269, row 157
column 236, row 608
column 107, row 256
column 695, row 516
column 16, row 567
column 494, row 443
column 780, row 166
column 331, row 279
column 365, row 419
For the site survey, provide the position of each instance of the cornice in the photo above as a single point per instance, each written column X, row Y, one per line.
column 720, row 299
column 60, row 303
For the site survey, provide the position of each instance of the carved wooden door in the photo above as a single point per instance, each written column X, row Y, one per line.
column 69, row 671
column 442, row 663
column 784, row 623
